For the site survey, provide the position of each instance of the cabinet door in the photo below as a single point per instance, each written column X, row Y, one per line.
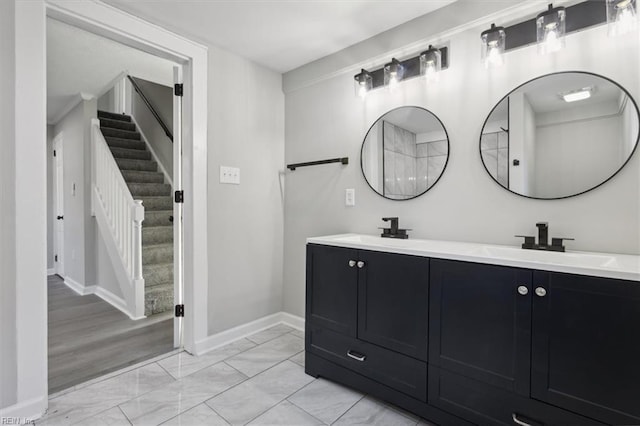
column 480, row 325
column 393, row 300
column 586, row 346
column 332, row 288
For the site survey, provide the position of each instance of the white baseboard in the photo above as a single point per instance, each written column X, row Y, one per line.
column 115, row 301
column 236, row 333
column 51, row 271
column 81, row 289
column 292, row 320
column 26, row 411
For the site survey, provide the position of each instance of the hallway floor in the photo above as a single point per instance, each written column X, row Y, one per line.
column 258, row 380
column 89, row 338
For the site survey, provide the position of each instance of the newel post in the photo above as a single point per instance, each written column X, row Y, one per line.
column 138, row 217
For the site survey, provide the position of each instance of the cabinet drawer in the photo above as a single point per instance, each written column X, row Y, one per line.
column 395, row 370
column 488, row 405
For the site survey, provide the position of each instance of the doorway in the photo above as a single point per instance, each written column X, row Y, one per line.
column 30, row 200
column 89, row 300
column 58, row 205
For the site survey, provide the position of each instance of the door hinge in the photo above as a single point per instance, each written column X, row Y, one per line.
column 179, row 196
column 178, row 89
column 55, row 258
column 179, row 310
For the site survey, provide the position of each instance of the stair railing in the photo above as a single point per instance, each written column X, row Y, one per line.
column 114, row 206
column 146, row 101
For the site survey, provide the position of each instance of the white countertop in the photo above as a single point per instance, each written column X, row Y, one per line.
column 608, row 265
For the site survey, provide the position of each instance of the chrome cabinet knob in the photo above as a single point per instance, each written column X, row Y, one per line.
column 360, row 264
column 523, row 290
column 352, row 263
column 540, row 291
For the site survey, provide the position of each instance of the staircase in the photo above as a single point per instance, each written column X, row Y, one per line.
column 141, row 174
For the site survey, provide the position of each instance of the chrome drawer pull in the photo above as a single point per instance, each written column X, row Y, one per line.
column 360, row 264
column 356, row 356
column 352, row 263
column 517, row 421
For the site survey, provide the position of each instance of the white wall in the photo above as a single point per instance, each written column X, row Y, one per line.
column 72, row 127
column 161, row 97
column 324, row 120
column 246, row 130
column 50, row 221
column 522, row 126
column 8, row 377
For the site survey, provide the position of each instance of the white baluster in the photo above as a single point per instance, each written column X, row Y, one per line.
column 138, row 217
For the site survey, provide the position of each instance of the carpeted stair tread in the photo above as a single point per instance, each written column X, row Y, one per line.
column 132, row 154
column 125, row 143
column 157, row 253
column 158, row 298
column 140, row 176
column 157, row 235
column 141, row 165
column 114, row 116
column 149, row 189
column 157, row 273
column 156, row 203
column 117, row 124
column 158, row 218
column 118, row 133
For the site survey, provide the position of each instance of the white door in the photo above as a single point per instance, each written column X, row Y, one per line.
column 178, row 324
column 58, row 206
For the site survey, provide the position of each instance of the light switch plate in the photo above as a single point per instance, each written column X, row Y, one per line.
column 230, row 175
column 350, row 197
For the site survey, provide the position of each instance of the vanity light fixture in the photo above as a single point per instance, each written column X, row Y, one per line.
column 577, row 95
column 393, row 74
column 493, row 43
column 363, row 83
column 621, row 17
column 430, row 64
column 550, row 29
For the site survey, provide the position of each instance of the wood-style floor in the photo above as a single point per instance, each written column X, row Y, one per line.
column 89, row 338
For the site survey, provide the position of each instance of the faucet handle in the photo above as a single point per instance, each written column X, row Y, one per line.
column 557, row 241
column 529, row 241
column 387, row 219
column 542, row 224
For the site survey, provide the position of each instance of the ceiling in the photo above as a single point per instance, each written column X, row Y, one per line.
column 279, row 34
column 80, row 62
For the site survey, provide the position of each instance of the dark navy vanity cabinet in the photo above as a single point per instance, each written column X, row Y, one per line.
column 471, row 343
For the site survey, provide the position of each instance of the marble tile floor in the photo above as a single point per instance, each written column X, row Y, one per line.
column 258, row 380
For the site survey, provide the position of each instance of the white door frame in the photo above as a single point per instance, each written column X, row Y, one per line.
column 30, row 142
column 58, row 205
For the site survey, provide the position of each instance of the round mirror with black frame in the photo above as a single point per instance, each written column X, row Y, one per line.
column 560, row 135
column 404, row 153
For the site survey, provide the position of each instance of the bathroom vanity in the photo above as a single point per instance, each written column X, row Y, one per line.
column 463, row 333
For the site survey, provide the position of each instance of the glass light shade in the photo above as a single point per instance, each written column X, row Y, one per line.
column 363, row 83
column 430, row 64
column 493, row 43
column 550, row 28
column 621, row 17
column 393, row 74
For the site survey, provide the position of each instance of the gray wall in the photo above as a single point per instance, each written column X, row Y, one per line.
column 324, row 119
column 246, row 130
column 161, row 97
column 8, row 366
